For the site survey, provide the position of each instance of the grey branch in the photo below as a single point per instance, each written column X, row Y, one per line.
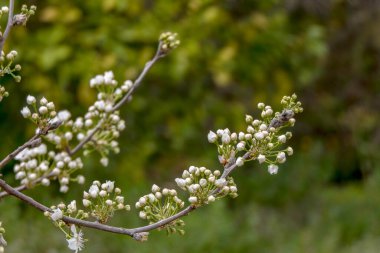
column 9, row 25
column 34, row 141
column 92, row 224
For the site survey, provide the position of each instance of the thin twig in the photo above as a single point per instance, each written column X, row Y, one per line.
column 32, row 142
column 87, row 139
column 93, row 224
column 9, row 25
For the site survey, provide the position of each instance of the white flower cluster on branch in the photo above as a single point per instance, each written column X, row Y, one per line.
column 54, row 153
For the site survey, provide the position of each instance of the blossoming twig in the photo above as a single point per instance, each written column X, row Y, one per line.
column 138, row 81
column 90, row 224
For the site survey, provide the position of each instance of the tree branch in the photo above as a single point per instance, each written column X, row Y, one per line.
column 91, row 224
column 9, row 25
column 35, row 140
column 25, row 187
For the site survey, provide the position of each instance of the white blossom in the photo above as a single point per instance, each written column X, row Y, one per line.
column 56, row 215
column 104, row 161
column 239, row 161
column 75, row 243
column 180, row 182
column 43, row 110
column 282, row 138
column 93, row 191
column 142, row 215
column 193, row 199
column 25, row 112
column 220, row 182
column 43, row 101
column 281, row 157
column 30, row 100
column 108, row 186
column 155, row 188
column 212, row 137
column 289, row 150
column 86, row 202
column 259, row 136
column 211, row 198
column 64, row 115
column 272, row 169
column 261, row 158
column 226, row 138
column 72, row 207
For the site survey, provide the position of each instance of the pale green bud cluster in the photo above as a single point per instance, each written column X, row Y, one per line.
column 3, row 242
column 23, row 17
column 159, row 205
column 3, row 93
column 205, row 186
column 168, row 42
column 262, row 139
column 102, row 200
column 7, row 67
column 70, row 210
column 3, row 10
column 40, row 112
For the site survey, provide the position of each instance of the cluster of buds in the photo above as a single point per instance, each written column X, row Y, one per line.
column 7, row 67
column 3, row 242
column 205, row 186
column 109, row 93
column 3, row 93
column 159, row 205
column 103, row 200
column 168, row 42
column 3, row 10
column 23, row 17
column 37, row 165
column 69, row 210
column 262, row 139
column 41, row 112
column 109, row 90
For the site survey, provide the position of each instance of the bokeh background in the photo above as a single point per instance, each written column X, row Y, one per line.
column 233, row 54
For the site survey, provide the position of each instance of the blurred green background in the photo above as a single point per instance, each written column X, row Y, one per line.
column 233, row 54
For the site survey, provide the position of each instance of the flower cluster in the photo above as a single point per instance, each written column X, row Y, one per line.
column 41, row 112
column 74, row 239
column 3, row 10
column 168, row 42
column 3, row 93
column 37, row 165
column 159, row 205
column 103, row 200
column 103, row 114
column 205, row 186
column 7, row 67
column 62, row 209
column 262, row 139
column 22, row 18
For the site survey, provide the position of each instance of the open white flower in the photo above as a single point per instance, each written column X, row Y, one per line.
column 56, row 215
column 75, row 243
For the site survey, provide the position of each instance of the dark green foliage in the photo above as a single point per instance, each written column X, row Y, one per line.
column 233, row 54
